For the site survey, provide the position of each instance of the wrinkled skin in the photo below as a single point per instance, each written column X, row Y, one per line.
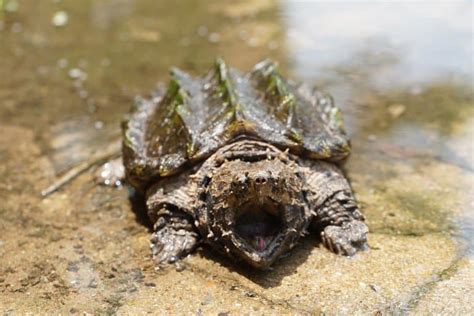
column 253, row 202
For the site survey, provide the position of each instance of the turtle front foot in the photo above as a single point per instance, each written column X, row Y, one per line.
column 347, row 239
column 174, row 238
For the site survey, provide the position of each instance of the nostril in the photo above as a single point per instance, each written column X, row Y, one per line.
column 260, row 180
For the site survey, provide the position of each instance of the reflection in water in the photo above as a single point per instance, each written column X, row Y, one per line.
column 435, row 119
column 431, row 38
column 423, row 64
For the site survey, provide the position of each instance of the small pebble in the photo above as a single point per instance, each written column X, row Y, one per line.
column 396, row 110
column 75, row 73
column 214, row 37
column 372, row 138
column 375, row 287
column 60, row 19
column 92, row 284
column 99, row 125
column 253, row 42
column 151, row 284
column 250, row 294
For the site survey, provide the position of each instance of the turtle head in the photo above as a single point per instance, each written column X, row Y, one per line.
column 255, row 206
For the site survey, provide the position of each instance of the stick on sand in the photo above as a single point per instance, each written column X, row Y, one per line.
column 112, row 151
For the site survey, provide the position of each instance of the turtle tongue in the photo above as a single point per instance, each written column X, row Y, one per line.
column 261, row 244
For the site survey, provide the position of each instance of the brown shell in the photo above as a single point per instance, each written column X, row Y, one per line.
column 197, row 116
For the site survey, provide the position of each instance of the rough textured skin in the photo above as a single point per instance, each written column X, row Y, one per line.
column 244, row 163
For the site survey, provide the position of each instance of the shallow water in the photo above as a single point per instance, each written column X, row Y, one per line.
column 401, row 72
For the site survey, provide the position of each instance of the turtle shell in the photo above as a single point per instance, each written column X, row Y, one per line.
column 194, row 117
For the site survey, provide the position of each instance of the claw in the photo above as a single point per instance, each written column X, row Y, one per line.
column 169, row 245
column 347, row 239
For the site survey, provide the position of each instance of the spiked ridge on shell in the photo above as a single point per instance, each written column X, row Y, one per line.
column 197, row 116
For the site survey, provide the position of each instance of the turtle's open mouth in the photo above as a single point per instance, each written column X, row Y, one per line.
column 259, row 223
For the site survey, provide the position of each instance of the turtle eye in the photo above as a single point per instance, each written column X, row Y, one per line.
column 241, row 179
column 240, row 182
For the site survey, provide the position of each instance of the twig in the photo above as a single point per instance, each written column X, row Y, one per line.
column 98, row 158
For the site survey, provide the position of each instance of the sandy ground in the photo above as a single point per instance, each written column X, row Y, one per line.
column 84, row 249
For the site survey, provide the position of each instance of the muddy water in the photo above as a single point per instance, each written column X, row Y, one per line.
column 402, row 73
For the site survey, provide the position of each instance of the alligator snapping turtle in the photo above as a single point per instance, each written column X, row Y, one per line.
column 243, row 162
